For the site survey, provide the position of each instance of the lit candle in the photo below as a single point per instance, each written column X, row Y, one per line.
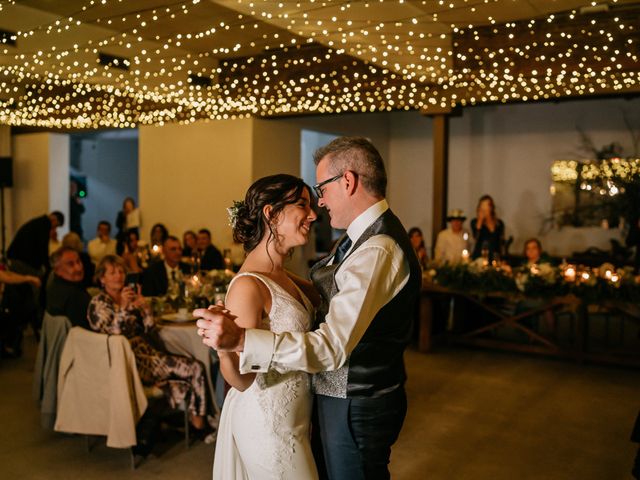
column 614, row 277
column 155, row 249
column 585, row 276
column 570, row 274
column 607, row 275
column 465, row 255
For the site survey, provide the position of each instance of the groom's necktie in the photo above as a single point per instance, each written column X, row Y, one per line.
column 342, row 249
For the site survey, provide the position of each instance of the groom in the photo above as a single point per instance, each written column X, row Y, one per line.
column 369, row 285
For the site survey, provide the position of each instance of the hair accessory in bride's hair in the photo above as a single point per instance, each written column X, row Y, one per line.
column 235, row 210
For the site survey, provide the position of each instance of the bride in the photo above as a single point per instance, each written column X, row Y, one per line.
column 264, row 427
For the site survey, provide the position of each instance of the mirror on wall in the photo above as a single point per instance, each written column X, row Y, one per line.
column 587, row 193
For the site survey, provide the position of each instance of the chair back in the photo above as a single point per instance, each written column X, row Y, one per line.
column 99, row 389
column 45, row 377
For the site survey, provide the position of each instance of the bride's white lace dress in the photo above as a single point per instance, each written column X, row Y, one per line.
column 264, row 431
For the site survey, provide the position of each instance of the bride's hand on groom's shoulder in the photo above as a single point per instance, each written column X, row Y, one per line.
column 218, row 330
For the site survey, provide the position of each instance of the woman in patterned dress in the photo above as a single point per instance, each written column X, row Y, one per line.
column 121, row 310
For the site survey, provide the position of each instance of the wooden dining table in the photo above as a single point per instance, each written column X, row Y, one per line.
column 467, row 329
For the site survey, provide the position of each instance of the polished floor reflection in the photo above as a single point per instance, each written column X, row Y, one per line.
column 472, row 415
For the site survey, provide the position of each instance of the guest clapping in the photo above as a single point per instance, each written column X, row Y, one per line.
column 122, row 310
column 417, row 242
column 488, row 230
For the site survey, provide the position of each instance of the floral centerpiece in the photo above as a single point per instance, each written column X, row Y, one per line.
column 543, row 280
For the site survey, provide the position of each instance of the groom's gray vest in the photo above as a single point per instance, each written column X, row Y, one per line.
column 376, row 365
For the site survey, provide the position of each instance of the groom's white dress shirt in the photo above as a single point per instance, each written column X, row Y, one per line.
column 367, row 279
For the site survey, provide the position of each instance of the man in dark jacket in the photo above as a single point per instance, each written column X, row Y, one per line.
column 210, row 256
column 65, row 293
column 160, row 275
column 30, row 245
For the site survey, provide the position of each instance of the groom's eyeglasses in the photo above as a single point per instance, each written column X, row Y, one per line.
column 318, row 190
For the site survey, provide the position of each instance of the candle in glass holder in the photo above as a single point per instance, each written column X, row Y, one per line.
column 585, row 276
column 465, row 255
column 570, row 274
column 608, row 275
column 614, row 278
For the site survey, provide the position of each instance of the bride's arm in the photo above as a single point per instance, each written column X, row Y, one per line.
column 248, row 301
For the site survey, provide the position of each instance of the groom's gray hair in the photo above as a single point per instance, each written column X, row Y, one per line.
column 358, row 155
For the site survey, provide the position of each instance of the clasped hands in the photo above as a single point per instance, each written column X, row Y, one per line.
column 218, row 330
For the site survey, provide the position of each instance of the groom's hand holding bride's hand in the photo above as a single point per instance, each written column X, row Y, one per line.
column 218, row 330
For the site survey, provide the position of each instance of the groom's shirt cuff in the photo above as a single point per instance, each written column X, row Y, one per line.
column 258, row 351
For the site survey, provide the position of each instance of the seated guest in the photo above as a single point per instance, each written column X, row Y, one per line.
column 533, row 253
column 103, row 244
column 189, row 242
column 72, row 240
column 66, row 294
column 160, row 276
column 487, row 230
column 210, row 256
column 130, row 252
column 417, row 241
column 159, row 234
column 452, row 241
column 120, row 310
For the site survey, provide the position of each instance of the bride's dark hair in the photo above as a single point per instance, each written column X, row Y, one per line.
column 275, row 190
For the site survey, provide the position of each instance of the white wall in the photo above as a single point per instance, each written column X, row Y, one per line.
column 59, row 178
column 190, row 174
column 410, row 170
column 40, row 178
column 507, row 152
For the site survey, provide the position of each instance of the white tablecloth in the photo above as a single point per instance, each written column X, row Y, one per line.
column 183, row 339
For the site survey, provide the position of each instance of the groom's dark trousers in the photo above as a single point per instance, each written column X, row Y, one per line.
column 357, row 434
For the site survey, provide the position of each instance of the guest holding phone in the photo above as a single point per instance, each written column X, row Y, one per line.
column 120, row 309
